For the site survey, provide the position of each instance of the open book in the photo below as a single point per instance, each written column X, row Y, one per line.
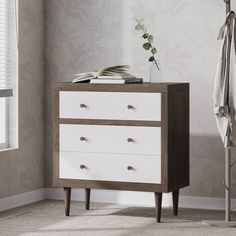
column 116, row 74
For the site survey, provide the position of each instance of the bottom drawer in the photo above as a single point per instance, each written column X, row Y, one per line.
column 110, row 167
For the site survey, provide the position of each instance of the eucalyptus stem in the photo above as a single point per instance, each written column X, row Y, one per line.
column 149, row 44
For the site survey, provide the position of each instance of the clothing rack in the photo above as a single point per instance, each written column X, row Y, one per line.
column 227, row 182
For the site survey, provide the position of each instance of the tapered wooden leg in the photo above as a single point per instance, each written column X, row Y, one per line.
column 87, row 198
column 67, row 193
column 175, row 196
column 158, row 201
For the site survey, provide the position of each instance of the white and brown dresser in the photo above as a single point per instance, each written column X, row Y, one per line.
column 121, row 137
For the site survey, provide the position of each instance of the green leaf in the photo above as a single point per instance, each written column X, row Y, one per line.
column 145, row 36
column 154, row 50
column 147, row 46
column 151, row 59
column 138, row 27
column 150, row 38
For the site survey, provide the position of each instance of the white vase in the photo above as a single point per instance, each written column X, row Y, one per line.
column 155, row 74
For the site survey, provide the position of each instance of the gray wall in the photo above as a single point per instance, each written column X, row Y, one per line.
column 78, row 38
column 84, row 35
column 22, row 170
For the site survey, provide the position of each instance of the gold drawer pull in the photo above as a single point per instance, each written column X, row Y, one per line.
column 82, row 105
column 130, row 140
column 130, row 107
column 83, row 139
column 130, row 168
column 82, row 167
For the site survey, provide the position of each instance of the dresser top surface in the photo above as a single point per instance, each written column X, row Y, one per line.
column 144, row 87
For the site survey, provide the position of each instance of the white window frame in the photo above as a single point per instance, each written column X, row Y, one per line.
column 11, row 103
column 6, row 143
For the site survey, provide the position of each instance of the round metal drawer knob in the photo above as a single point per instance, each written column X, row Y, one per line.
column 82, row 167
column 130, row 107
column 130, row 140
column 82, row 139
column 82, row 105
column 130, row 168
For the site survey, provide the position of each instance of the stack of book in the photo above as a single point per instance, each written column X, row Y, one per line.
column 111, row 75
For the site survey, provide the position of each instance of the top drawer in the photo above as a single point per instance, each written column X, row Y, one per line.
column 110, row 105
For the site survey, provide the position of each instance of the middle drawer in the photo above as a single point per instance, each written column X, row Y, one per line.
column 110, row 139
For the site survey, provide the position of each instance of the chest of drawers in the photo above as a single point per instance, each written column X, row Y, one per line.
column 121, row 137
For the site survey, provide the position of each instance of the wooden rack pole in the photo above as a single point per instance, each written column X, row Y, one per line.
column 228, row 6
column 227, row 222
column 227, row 184
column 227, row 159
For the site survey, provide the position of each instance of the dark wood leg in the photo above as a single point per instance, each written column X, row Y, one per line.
column 87, row 198
column 158, row 201
column 67, row 192
column 175, row 196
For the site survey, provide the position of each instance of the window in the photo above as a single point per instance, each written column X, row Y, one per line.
column 8, row 73
column 3, row 125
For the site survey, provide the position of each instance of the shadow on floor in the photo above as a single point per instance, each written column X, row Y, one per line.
column 189, row 215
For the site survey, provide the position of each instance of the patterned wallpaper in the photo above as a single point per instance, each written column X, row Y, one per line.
column 22, row 170
column 83, row 35
column 87, row 34
column 80, row 36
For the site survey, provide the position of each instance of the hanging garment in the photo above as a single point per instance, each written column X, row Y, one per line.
column 225, row 83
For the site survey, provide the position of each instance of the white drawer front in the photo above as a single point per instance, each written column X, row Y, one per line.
column 110, row 167
column 110, row 139
column 110, row 105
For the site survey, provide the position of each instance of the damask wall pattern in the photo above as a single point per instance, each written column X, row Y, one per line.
column 22, row 170
column 85, row 35
column 82, row 35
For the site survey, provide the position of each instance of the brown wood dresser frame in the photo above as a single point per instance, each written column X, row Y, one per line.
column 174, row 140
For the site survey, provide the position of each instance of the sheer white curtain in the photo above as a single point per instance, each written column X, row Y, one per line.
column 8, row 66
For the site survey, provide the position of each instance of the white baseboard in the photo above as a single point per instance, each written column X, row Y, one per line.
column 204, row 203
column 140, row 199
column 22, row 199
column 109, row 196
